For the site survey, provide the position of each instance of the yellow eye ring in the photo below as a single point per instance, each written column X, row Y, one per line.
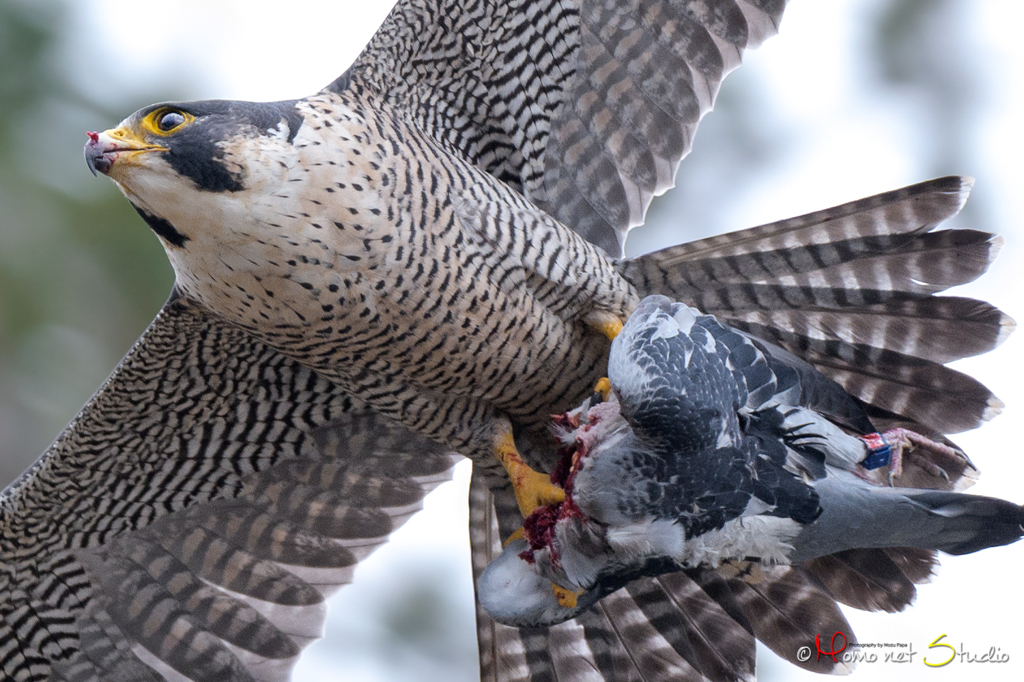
column 166, row 121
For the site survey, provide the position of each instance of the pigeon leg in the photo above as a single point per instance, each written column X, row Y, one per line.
column 894, row 448
column 532, row 488
column 905, row 441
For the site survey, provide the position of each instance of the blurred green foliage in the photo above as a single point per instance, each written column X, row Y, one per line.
column 80, row 275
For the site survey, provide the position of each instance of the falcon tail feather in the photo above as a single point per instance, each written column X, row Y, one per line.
column 874, row 579
column 779, row 607
column 917, row 564
column 851, row 289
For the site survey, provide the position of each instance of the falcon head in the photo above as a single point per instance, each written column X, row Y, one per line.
column 182, row 164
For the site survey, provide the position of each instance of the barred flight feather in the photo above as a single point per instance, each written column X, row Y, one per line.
column 788, row 608
column 875, row 579
column 585, row 106
column 866, row 579
column 205, row 552
column 939, row 399
column 914, row 209
column 851, row 290
column 937, row 329
column 917, row 564
column 701, row 607
column 881, row 267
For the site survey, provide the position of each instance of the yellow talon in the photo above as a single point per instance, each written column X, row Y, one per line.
column 566, row 598
column 607, row 323
column 603, row 387
column 532, row 488
column 611, row 329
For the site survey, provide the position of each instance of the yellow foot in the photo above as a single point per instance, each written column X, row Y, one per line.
column 566, row 598
column 603, row 387
column 532, row 488
column 607, row 323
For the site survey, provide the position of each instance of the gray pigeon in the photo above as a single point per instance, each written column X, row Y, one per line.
column 718, row 449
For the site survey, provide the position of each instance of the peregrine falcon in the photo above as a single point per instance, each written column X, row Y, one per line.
column 710, row 449
column 421, row 259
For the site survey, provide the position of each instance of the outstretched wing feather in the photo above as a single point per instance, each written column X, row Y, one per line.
column 192, row 518
column 585, row 106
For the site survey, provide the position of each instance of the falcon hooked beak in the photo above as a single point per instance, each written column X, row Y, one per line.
column 208, row 156
column 120, row 145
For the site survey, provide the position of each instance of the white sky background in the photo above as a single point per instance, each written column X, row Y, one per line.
column 841, row 143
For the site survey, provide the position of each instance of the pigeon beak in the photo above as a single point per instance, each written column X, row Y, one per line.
column 105, row 149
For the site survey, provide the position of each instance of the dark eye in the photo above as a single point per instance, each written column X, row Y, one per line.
column 169, row 120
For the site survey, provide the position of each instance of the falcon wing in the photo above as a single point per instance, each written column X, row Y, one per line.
column 192, row 518
column 584, row 106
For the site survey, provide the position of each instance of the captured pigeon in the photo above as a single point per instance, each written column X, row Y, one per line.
column 718, row 448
